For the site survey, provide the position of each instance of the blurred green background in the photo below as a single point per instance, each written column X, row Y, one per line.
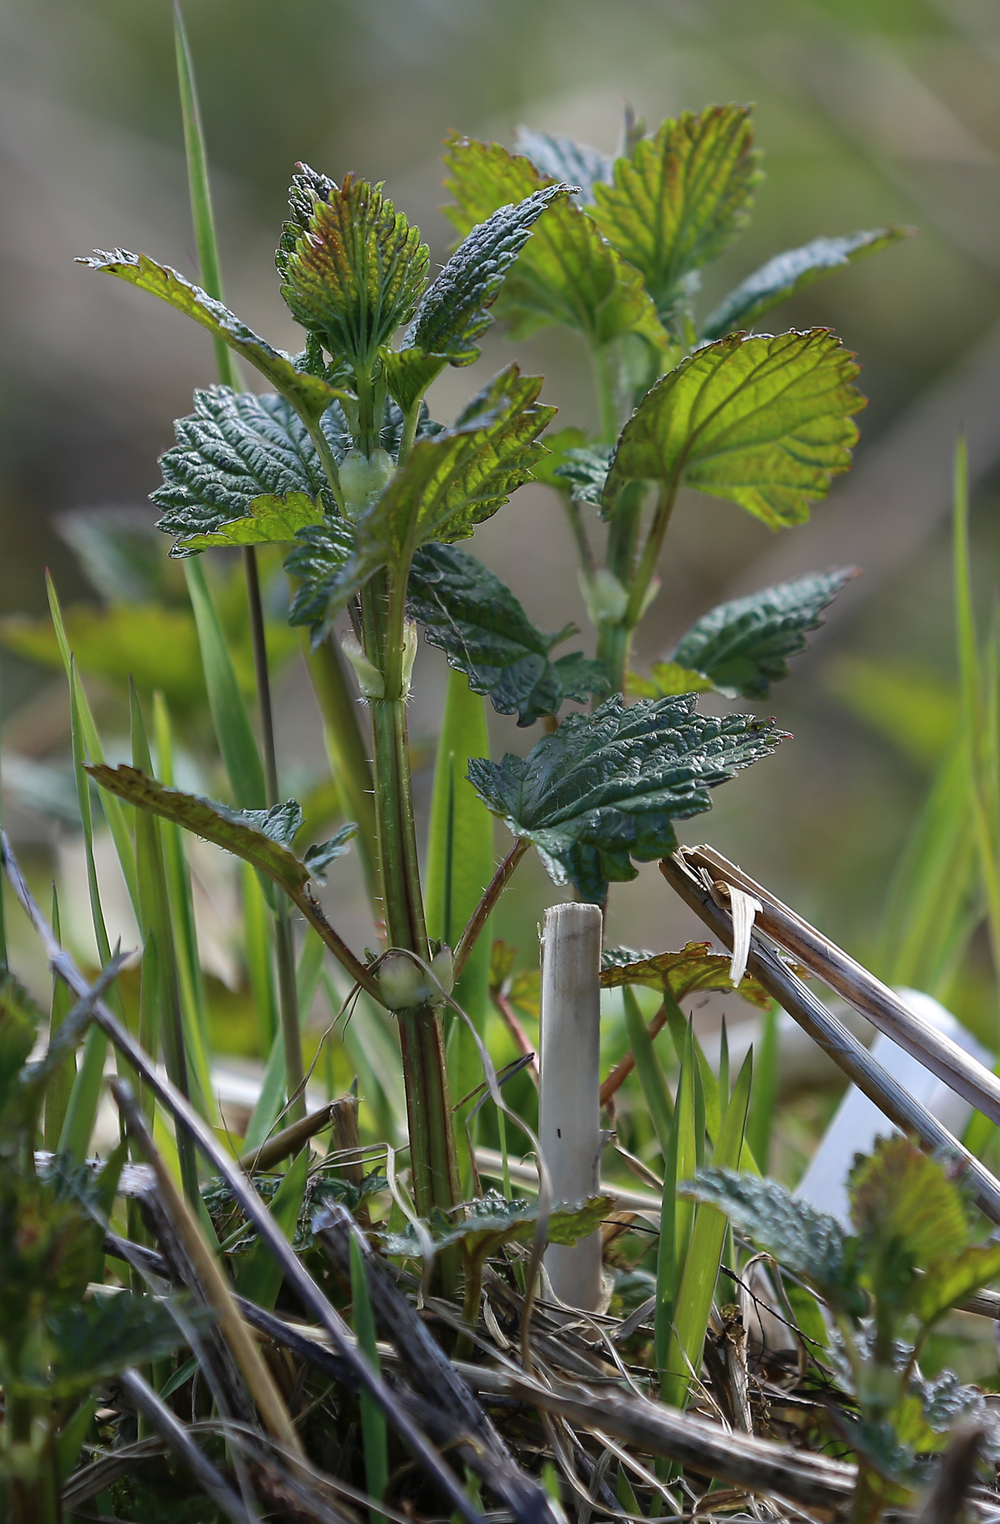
column 869, row 111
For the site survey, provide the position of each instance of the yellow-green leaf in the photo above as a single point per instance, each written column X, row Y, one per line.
column 271, row 521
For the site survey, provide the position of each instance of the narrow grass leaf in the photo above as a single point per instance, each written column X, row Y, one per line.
column 60, row 1083
column 259, row 1275
column 654, row 1086
column 232, row 725
column 373, row 1428
column 764, row 1095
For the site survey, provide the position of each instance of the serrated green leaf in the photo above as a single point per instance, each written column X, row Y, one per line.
column 899, row 1194
column 682, row 973
column 260, row 837
column 96, row 1340
column 762, row 421
column 493, row 1222
column 352, row 269
column 560, row 158
column 680, row 197
column 270, row 521
column 807, row 1242
column 454, row 311
column 607, row 787
column 566, row 273
column 584, row 472
column 952, row 1279
column 447, row 485
column 469, row 614
column 311, row 395
column 235, row 448
column 787, row 273
column 409, row 372
column 667, row 678
column 743, row 646
column 559, row 445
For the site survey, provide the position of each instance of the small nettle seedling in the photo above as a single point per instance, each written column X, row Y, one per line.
column 340, row 460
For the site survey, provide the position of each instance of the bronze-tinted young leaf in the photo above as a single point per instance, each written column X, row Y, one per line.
column 454, row 311
column 310, row 394
column 260, row 837
column 566, row 273
column 469, row 614
column 560, row 158
column 682, row 973
column 763, row 421
column 233, row 449
column 807, row 1242
column 271, row 521
column 743, row 646
column 352, row 269
column 787, row 273
column 606, row 788
column 680, row 197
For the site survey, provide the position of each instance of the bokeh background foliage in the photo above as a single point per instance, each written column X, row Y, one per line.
column 869, row 112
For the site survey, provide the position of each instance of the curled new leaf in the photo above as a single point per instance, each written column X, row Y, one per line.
column 454, row 311
column 309, row 394
column 680, row 197
column 235, row 448
column 584, row 472
column 787, row 273
column 607, row 787
column 352, row 268
column 566, row 273
column 743, row 646
column 764, row 421
column 469, row 613
column 682, row 973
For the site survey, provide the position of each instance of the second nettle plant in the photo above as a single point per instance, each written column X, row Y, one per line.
column 339, row 458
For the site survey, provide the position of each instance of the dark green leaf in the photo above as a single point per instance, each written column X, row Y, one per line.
column 559, row 158
column 789, row 272
column 494, row 1221
column 447, row 485
column 20, row 1019
column 96, row 1340
column 682, row 973
column 320, row 856
column 477, row 621
column 680, row 197
column 352, row 268
column 806, row 1242
column 566, row 273
column 454, row 311
column 234, row 448
column 310, row 394
column 762, row 421
column 743, row 646
column 584, row 472
column 260, row 837
column 607, row 787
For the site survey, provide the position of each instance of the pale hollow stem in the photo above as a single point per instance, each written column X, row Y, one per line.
column 569, row 1086
column 431, row 1127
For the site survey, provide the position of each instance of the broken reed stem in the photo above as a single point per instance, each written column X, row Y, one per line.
column 569, row 1086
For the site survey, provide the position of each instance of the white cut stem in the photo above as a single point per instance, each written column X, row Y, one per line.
column 569, row 1087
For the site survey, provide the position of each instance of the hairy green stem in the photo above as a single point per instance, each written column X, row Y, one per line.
column 431, row 1127
column 603, row 360
column 491, row 894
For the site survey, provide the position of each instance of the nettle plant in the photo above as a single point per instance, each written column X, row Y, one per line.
column 341, row 460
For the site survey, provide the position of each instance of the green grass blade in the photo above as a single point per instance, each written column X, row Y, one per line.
column 708, row 1106
column 272, row 1092
column 460, row 862
column 676, row 1215
column 156, row 931
column 201, row 195
column 60, row 1084
column 764, row 1095
column 232, row 724
column 647, row 1066
column 259, row 1275
column 373, row 1430
column 194, row 1016
column 701, row 1266
column 257, row 955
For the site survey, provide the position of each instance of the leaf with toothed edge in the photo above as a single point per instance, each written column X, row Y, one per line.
column 307, row 392
column 560, row 158
column 606, row 788
column 469, row 614
column 694, row 968
column 743, row 647
column 566, row 272
column 447, row 485
column 352, row 269
column 764, row 421
column 583, row 472
column 454, row 311
column 787, row 273
column 271, row 521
